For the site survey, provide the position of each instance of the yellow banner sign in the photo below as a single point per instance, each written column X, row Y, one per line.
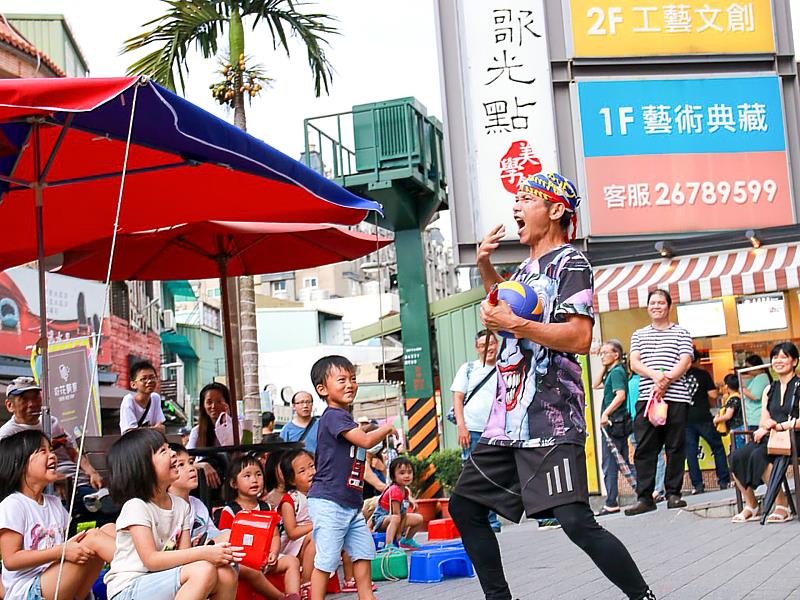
column 667, row 27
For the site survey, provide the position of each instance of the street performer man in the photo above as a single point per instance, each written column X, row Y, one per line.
column 531, row 455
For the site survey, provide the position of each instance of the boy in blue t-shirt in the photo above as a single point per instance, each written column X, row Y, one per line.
column 335, row 497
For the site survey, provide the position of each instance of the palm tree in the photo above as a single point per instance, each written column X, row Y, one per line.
column 200, row 23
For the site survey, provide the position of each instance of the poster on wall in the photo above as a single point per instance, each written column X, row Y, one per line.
column 665, row 27
column 74, row 309
column 508, row 104
column 668, row 155
column 71, row 386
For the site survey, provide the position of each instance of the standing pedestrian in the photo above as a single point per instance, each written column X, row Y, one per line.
column 700, row 424
column 303, row 427
column 614, row 417
column 661, row 353
column 755, row 383
column 474, row 388
column 530, row 458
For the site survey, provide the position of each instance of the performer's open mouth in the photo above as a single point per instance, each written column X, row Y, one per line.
column 514, row 378
column 520, row 224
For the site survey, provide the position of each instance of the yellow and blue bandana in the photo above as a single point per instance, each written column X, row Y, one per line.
column 554, row 187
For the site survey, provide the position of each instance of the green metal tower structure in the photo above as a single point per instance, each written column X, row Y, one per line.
column 393, row 152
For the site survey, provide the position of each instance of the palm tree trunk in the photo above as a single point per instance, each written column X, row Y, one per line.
column 248, row 339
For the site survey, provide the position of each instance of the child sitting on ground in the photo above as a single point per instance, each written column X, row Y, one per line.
column 245, row 488
column 154, row 558
column 335, row 497
column 297, row 468
column 391, row 514
column 203, row 528
column 32, row 527
column 273, row 478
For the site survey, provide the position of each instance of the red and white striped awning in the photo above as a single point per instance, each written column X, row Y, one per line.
column 699, row 277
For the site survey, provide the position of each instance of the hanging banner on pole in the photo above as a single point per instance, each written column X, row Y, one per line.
column 71, row 386
column 508, row 93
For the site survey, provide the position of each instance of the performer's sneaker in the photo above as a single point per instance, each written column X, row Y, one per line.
column 549, row 524
column 649, row 595
column 409, row 544
column 640, row 508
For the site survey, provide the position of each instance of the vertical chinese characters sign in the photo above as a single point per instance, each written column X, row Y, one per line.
column 684, row 154
column 666, row 27
column 509, row 104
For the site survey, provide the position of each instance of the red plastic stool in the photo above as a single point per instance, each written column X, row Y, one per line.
column 245, row 592
column 442, row 529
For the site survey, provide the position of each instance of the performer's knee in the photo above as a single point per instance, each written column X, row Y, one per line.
column 464, row 510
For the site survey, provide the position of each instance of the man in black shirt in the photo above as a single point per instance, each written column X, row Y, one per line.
column 700, row 424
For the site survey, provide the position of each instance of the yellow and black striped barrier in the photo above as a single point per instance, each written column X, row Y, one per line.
column 423, row 440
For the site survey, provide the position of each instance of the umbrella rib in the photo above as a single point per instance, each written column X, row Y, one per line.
column 19, row 184
column 61, row 182
column 61, row 135
column 261, row 238
column 191, row 246
column 320, row 245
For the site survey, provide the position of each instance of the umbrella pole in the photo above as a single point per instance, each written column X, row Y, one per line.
column 43, row 341
column 230, row 372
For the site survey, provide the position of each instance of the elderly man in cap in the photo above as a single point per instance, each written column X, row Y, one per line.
column 24, row 402
column 530, row 458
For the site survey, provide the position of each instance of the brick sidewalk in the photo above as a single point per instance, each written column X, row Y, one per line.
column 682, row 556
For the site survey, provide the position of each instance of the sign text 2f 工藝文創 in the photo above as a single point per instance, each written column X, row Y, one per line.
column 665, row 27
column 665, row 155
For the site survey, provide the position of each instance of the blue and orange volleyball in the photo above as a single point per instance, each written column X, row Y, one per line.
column 523, row 300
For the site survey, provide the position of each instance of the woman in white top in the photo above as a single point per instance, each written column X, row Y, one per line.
column 215, row 400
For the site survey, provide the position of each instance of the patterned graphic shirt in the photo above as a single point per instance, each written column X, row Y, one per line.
column 540, row 398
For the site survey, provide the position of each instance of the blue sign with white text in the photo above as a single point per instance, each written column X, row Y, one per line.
column 681, row 116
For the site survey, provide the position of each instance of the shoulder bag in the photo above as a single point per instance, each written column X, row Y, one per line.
column 307, row 429
column 451, row 414
column 780, row 442
column 143, row 418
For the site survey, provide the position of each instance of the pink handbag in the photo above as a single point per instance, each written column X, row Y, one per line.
column 656, row 409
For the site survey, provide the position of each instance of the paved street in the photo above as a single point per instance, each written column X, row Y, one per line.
column 682, row 555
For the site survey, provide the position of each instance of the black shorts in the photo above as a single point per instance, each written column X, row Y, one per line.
column 511, row 481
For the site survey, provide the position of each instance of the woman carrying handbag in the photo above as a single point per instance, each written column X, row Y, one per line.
column 752, row 463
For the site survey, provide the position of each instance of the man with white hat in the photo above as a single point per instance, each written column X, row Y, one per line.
column 24, row 402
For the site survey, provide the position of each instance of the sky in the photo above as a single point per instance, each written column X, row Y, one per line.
column 386, row 49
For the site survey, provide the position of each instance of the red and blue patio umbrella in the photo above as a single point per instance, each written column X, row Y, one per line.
column 67, row 144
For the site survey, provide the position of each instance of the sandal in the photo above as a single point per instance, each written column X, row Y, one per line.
column 780, row 514
column 607, row 511
column 748, row 514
